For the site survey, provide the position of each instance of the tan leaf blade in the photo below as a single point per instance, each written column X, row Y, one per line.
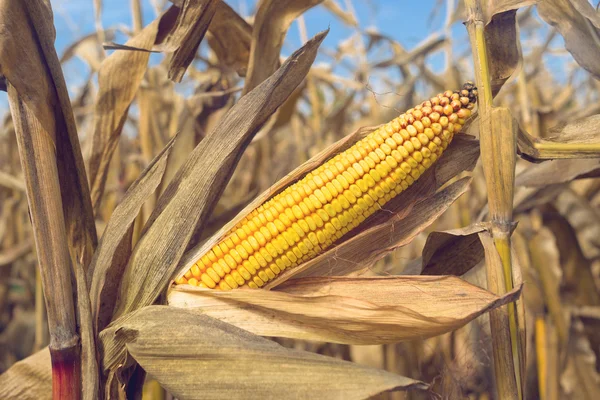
column 194, row 356
column 350, row 310
column 577, row 22
column 184, row 38
column 503, row 48
column 230, row 38
column 27, row 379
column 119, row 78
column 557, row 171
column 190, row 197
column 271, row 24
column 114, row 249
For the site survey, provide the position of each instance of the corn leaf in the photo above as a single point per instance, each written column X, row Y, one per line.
column 230, row 38
column 28, row 379
column 114, row 249
column 181, row 348
column 271, row 23
column 579, row 25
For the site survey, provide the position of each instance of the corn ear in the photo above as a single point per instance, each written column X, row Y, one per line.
column 309, row 216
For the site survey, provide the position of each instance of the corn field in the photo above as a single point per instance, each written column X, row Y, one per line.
column 268, row 199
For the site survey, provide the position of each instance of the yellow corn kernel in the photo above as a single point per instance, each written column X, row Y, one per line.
column 310, row 215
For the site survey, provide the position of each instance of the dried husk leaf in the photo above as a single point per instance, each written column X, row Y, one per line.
column 271, row 23
column 114, row 249
column 395, row 226
column 453, row 252
column 176, row 345
column 190, row 197
column 350, row 310
column 578, row 139
column 577, row 22
column 28, row 379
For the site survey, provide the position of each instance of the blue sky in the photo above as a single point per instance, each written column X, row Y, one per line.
column 408, row 22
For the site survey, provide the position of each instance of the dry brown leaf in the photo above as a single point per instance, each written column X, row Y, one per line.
column 577, row 22
column 230, row 38
column 32, row 67
column 351, row 310
column 119, row 78
column 584, row 218
column 584, row 131
column 557, row 171
column 503, row 48
column 114, row 249
column 165, row 341
column 183, row 39
column 271, row 23
column 190, row 197
column 453, row 252
column 29, row 379
column 8, row 256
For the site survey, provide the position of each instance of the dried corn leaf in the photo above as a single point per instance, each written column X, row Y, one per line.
column 453, row 252
column 428, row 46
column 31, row 66
column 557, row 171
column 29, row 379
column 351, row 310
column 114, row 249
column 584, row 219
column 271, row 23
column 176, row 345
column 578, row 139
column 577, row 22
column 503, row 48
column 190, row 197
column 193, row 19
column 230, row 38
column 119, row 78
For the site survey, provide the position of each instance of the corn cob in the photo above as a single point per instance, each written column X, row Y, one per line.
column 307, row 217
